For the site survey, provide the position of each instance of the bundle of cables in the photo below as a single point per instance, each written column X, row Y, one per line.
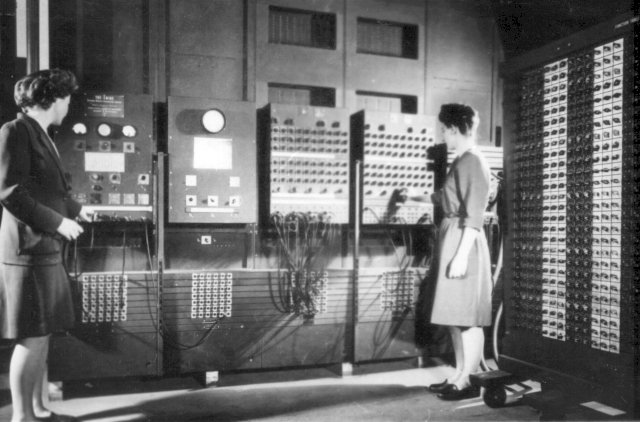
column 302, row 240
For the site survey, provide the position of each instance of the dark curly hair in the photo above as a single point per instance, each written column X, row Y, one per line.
column 43, row 87
column 461, row 116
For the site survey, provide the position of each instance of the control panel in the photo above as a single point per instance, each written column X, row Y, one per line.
column 106, row 145
column 393, row 149
column 104, row 297
column 569, row 209
column 211, row 295
column 305, row 161
column 212, row 161
column 571, row 252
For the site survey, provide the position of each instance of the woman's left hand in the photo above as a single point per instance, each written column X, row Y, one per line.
column 457, row 267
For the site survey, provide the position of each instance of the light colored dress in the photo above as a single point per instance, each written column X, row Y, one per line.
column 465, row 301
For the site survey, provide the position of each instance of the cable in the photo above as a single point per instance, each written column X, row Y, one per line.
column 154, row 280
column 284, row 293
column 496, row 324
column 76, row 276
column 124, row 249
column 302, row 240
column 498, row 317
column 181, row 346
column 160, row 329
column 388, row 234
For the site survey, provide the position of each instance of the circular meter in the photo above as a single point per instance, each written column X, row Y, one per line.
column 213, row 121
column 79, row 129
column 129, row 131
column 104, row 130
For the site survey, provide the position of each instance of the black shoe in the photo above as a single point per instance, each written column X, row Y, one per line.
column 438, row 388
column 453, row 393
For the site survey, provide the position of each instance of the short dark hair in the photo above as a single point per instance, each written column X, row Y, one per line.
column 461, row 116
column 43, row 87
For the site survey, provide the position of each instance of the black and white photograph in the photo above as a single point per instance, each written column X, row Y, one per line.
column 319, row 210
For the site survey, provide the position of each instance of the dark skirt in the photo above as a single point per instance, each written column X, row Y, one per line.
column 34, row 301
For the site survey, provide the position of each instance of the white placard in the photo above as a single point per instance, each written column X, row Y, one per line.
column 112, row 162
column 212, row 153
column 602, row 408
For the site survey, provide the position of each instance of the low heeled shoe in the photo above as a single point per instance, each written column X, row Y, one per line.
column 453, row 393
column 439, row 387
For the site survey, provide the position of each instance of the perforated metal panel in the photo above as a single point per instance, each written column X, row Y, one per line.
column 117, row 328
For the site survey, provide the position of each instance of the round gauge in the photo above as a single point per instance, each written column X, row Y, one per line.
column 79, row 129
column 104, row 130
column 129, row 131
column 213, row 121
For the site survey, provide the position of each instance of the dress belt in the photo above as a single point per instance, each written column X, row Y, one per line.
column 451, row 215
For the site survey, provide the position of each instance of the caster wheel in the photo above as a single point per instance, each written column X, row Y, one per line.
column 495, row 396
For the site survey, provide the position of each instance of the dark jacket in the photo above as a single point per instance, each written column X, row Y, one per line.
column 34, row 193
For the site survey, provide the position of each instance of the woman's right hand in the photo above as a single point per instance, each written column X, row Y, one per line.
column 69, row 229
column 399, row 196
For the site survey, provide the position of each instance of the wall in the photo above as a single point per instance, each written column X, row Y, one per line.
column 462, row 54
column 205, row 46
column 103, row 43
column 289, row 64
column 220, row 49
column 380, row 74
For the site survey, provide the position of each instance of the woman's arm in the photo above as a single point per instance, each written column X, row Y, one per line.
column 473, row 189
column 458, row 265
column 15, row 181
column 15, row 168
column 420, row 198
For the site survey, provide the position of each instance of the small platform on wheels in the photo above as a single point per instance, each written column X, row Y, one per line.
column 492, row 378
column 501, row 387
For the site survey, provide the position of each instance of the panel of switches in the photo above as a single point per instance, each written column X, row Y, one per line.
column 571, row 172
column 211, row 295
column 308, row 164
column 104, row 298
column 393, row 149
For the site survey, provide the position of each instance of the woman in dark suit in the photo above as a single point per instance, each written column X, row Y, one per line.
column 38, row 216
